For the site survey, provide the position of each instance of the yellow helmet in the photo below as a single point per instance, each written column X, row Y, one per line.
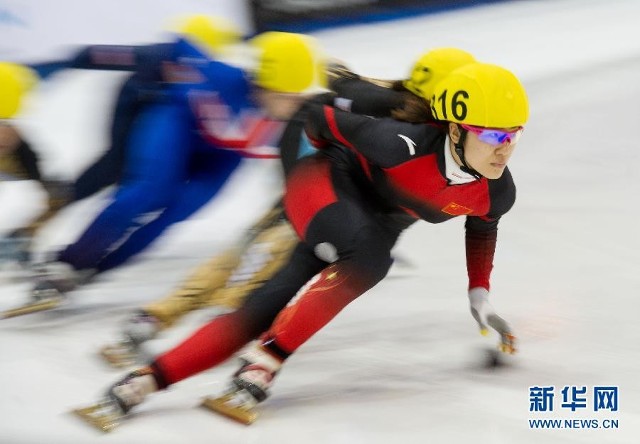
column 288, row 62
column 432, row 67
column 209, row 32
column 15, row 81
column 481, row 94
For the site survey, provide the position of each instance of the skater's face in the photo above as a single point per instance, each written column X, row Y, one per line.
column 8, row 139
column 488, row 159
column 279, row 106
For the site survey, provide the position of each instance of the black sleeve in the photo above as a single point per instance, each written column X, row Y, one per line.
column 480, row 225
column 29, row 160
column 502, row 192
column 140, row 58
column 480, row 246
column 482, row 232
column 289, row 142
column 362, row 97
column 384, row 142
column 502, row 195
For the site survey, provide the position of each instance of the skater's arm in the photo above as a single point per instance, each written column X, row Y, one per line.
column 384, row 142
column 362, row 97
column 109, row 58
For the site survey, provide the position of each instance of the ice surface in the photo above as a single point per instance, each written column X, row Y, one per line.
column 404, row 363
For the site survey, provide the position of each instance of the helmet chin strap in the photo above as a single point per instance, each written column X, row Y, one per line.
column 459, row 149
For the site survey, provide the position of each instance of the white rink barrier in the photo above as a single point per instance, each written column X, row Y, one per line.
column 42, row 28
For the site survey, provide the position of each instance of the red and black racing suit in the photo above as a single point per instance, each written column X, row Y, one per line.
column 349, row 204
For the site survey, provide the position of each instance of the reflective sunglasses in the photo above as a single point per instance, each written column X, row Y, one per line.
column 494, row 136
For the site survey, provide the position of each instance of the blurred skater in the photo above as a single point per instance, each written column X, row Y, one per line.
column 150, row 73
column 184, row 145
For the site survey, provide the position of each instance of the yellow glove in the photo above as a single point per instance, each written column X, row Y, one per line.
column 15, row 81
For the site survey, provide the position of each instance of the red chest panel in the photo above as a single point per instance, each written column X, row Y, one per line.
column 419, row 181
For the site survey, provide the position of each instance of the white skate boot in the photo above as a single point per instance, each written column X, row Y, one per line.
column 138, row 329
column 52, row 281
column 120, row 398
column 133, row 389
column 55, row 279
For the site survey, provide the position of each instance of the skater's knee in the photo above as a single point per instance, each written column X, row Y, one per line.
column 369, row 253
column 261, row 307
column 139, row 198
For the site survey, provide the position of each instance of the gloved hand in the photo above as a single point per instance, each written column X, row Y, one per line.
column 485, row 315
column 15, row 81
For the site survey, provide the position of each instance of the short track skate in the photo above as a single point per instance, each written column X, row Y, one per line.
column 236, row 404
column 32, row 307
column 104, row 415
column 119, row 354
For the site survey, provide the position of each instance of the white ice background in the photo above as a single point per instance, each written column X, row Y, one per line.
column 404, row 363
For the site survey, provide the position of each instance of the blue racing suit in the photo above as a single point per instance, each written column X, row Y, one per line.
column 182, row 145
column 140, row 87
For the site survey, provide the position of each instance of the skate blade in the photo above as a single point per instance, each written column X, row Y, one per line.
column 29, row 308
column 508, row 344
column 223, row 406
column 115, row 358
column 98, row 416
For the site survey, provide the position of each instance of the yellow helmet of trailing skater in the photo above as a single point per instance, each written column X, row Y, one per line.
column 432, row 67
column 15, row 81
column 208, row 32
column 287, row 62
column 481, row 94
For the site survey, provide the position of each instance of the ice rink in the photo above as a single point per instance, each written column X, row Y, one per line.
column 404, row 363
